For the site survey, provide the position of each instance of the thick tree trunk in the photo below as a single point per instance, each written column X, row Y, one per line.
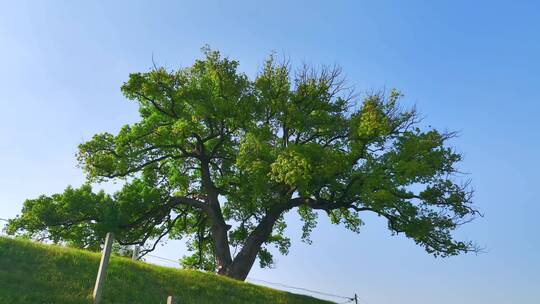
column 219, row 227
column 242, row 263
column 221, row 243
column 240, row 267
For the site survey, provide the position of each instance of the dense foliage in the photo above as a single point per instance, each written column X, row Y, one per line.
column 218, row 159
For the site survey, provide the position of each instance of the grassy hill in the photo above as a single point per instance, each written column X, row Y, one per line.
column 37, row 273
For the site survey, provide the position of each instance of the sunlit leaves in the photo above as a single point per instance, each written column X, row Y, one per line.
column 71, row 217
column 289, row 138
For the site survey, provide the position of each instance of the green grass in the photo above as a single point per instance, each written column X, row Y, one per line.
column 36, row 273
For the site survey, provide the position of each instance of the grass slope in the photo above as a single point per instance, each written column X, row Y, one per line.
column 37, row 273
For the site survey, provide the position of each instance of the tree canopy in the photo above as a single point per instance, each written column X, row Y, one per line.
column 218, row 158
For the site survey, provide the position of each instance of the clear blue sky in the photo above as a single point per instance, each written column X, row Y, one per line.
column 470, row 66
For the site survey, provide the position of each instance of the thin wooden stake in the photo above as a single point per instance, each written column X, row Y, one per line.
column 135, row 255
column 170, row 300
column 102, row 271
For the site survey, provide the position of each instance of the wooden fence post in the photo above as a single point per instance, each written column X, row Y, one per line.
column 135, row 255
column 102, row 271
column 171, row 300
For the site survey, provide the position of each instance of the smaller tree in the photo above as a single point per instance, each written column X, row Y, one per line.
column 218, row 159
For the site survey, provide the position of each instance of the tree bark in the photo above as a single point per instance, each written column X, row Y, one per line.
column 219, row 227
column 243, row 262
column 221, row 242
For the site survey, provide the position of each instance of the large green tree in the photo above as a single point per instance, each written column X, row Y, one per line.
column 218, row 159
